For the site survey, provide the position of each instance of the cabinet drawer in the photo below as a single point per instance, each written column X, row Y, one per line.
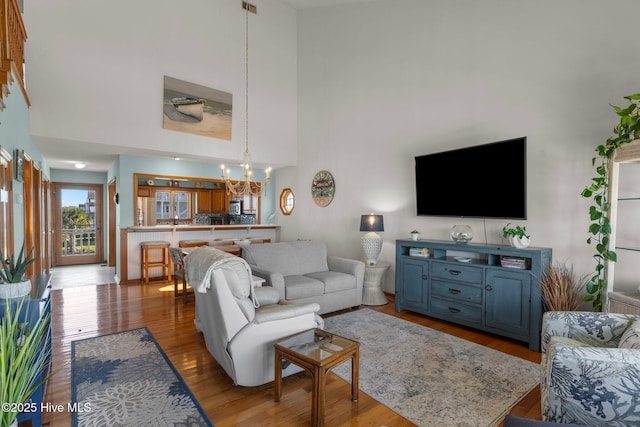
column 461, row 273
column 455, row 311
column 456, row 291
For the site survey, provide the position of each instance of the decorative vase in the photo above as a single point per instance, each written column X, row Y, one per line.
column 461, row 233
column 519, row 242
column 415, row 236
column 15, row 290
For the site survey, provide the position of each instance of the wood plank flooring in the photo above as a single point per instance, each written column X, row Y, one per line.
column 83, row 312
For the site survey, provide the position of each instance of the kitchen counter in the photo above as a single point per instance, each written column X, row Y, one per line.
column 131, row 237
column 200, row 227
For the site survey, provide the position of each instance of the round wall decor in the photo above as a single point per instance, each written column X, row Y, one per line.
column 323, row 187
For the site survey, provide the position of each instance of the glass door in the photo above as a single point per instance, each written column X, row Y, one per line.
column 78, row 224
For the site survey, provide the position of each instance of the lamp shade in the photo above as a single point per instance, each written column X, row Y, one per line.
column 371, row 223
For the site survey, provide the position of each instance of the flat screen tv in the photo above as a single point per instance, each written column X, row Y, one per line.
column 482, row 181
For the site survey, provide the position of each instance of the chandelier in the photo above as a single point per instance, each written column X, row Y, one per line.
column 247, row 185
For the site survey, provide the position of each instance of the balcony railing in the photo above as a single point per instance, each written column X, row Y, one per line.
column 78, row 241
column 13, row 36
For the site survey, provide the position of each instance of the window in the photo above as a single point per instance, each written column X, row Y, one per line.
column 287, row 201
column 172, row 203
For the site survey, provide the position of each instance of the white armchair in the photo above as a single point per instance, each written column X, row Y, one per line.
column 590, row 368
column 241, row 323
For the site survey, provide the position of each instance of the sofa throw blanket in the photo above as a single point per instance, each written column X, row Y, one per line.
column 202, row 261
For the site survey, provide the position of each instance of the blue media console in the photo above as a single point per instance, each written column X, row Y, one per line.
column 493, row 288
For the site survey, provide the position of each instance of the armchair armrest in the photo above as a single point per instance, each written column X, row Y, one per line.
column 591, row 386
column 273, row 312
column 273, row 278
column 347, row 266
column 595, row 329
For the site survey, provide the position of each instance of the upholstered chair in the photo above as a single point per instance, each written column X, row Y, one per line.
column 241, row 323
column 590, row 368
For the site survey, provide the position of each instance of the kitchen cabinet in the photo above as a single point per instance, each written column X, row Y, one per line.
column 473, row 285
column 219, row 201
column 145, row 191
column 204, row 201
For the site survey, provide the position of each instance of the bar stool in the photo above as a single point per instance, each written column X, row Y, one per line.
column 179, row 272
column 191, row 243
column 146, row 263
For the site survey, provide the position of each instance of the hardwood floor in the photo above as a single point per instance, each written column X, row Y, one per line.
column 83, row 312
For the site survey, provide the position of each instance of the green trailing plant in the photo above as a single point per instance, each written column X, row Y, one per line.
column 24, row 356
column 627, row 130
column 13, row 269
column 514, row 231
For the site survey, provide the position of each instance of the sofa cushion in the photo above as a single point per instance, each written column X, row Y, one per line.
column 266, row 295
column 288, row 258
column 278, row 257
column 334, row 281
column 631, row 337
column 297, row 287
column 311, row 256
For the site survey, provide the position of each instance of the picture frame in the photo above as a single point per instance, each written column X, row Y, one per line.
column 18, row 165
column 191, row 108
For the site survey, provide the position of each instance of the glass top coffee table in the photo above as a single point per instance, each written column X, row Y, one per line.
column 318, row 352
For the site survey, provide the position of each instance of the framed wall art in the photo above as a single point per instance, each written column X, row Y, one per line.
column 196, row 109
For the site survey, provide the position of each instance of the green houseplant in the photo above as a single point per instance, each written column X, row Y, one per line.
column 13, row 282
column 24, row 356
column 415, row 234
column 627, row 130
column 516, row 235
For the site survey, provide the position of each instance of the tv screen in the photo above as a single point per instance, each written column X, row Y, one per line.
column 482, row 181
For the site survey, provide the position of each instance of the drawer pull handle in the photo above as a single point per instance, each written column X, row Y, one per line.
column 454, row 310
column 454, row 291
column 489, row 287
column 455, row 272
column 425, row 277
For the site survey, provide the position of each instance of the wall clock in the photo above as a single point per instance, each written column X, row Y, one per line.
column 323, row 187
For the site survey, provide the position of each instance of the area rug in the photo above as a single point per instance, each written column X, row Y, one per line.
column 125, row 379
column 429, row 377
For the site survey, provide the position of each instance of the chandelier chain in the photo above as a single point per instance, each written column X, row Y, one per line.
column 248, row 186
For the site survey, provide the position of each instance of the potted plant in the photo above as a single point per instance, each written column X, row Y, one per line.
column 415, row 235
column 561, row 289
column 516, row 235
column 24, row 356
column 13, row 282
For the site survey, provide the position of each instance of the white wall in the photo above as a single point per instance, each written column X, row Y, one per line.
column 381, row 82
column 95, row 73
column 357, row 90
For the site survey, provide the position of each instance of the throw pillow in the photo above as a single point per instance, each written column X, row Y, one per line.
column 631, row 336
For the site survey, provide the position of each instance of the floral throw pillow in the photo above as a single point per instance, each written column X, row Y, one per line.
column 631, row 336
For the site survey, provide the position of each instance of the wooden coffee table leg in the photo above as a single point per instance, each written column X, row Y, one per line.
column 355, row 375
column 319, row 396
column 277, row 377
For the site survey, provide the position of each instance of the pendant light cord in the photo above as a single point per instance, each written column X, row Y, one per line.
column 246, row 88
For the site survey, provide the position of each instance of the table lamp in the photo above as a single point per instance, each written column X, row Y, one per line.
column 371, row 242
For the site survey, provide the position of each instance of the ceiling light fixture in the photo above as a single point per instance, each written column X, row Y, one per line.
column 248, row 185
column 80, row 165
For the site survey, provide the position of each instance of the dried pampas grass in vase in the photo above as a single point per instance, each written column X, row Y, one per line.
column 561, row 289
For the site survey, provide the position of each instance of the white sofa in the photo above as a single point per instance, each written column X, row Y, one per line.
column 241, row 323
column 301, row 271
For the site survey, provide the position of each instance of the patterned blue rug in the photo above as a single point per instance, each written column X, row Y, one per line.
column 429, row 377
column 125, row 379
